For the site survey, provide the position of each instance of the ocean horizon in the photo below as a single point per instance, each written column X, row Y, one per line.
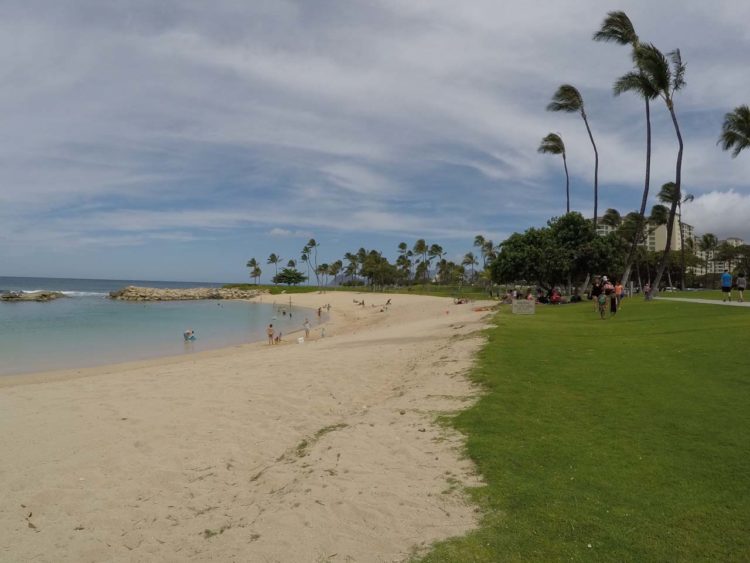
column 88, row 329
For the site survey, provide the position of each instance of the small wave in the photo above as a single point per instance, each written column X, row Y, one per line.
column 82, row 293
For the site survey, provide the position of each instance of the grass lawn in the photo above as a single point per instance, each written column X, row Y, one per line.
column 619, row 440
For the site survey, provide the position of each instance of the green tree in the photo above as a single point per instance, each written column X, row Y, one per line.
column 255, row 270
column 352, row 265
column 735, row 131
column 335, row 269
column 569, row 99
column 305, row 257
column 274, row 259
column 312, row 246
column 471, row 261
column 553, row 144
column 289, row 276
column 420, row 249
column 666, row 77
column 435, row 252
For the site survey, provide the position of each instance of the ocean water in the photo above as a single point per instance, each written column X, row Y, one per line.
column 89, row 329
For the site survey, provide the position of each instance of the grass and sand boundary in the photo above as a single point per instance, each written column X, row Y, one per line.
column 617, row 440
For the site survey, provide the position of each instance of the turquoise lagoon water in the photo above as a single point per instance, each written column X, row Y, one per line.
column 88, row 329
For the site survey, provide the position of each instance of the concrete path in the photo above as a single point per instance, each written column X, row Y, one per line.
column 708, row 301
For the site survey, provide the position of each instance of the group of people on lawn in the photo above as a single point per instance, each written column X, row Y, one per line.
column 603, row 291
column 728, row 283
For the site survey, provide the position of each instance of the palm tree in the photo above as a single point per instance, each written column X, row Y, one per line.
column 253, row 265
column 291, row 264
column 351, row 267
column 335, row 268
column 305, row 257
column 568, row 99
column 256, row 273
column 553, row 144
column 735, row 132
column 666, row 77
column 312, row 246
column 470, row 260
column 612, row 218
column 435, row 252
column 323, row 270
column 420, row 249
column 274, row 259
column 617, row 28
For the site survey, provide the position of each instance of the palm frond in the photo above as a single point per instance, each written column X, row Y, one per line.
column 668, row 193
column 567, row 98
column 635, row 82
column 551, row 144
column 678, row 70
column 617, row 28
column 655, row 67
column 735, row 131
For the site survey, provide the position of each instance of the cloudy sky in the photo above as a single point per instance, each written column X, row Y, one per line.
column 176, row 139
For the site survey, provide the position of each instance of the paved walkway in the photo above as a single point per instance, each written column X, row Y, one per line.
column 709, row 301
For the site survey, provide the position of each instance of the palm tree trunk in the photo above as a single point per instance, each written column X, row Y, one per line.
column 644, row 200
column 682, row 250
column 678, row 198
column 596, row 168
column 567, row 186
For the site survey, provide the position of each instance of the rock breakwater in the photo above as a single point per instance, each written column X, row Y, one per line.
column 31, row 296
column 134, row 293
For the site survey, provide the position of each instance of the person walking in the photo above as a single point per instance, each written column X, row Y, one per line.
column 269, row 332
column 741, row 286
column 306, row 326
column 726, row 285
column 596, row 291
column 619, row 293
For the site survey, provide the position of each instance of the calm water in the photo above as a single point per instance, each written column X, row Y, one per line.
column 89, row 329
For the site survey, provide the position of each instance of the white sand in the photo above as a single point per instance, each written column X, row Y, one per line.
column 289, row 453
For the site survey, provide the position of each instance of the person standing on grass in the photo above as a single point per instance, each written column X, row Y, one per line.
column 726, row 285
column 609, row 292
column 619, row 293
column 741, row 286
column 596, row 291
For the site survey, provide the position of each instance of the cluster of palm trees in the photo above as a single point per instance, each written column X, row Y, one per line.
column 654, row 76
column 419, row 264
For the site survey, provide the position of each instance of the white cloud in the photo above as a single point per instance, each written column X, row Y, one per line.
column 131, row 121
column 723, row 213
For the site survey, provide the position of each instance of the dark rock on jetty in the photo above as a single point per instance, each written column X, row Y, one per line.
column 16, row 296
column 133, row 293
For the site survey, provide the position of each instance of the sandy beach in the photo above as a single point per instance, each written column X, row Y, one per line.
column 322, row 451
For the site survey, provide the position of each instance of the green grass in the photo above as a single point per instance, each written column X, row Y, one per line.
column 630, row 435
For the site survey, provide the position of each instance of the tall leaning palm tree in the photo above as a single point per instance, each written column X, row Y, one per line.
column 617, row 28
column 553, row 144
column 735, row 132
column 568, row 99
column 666, row 76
